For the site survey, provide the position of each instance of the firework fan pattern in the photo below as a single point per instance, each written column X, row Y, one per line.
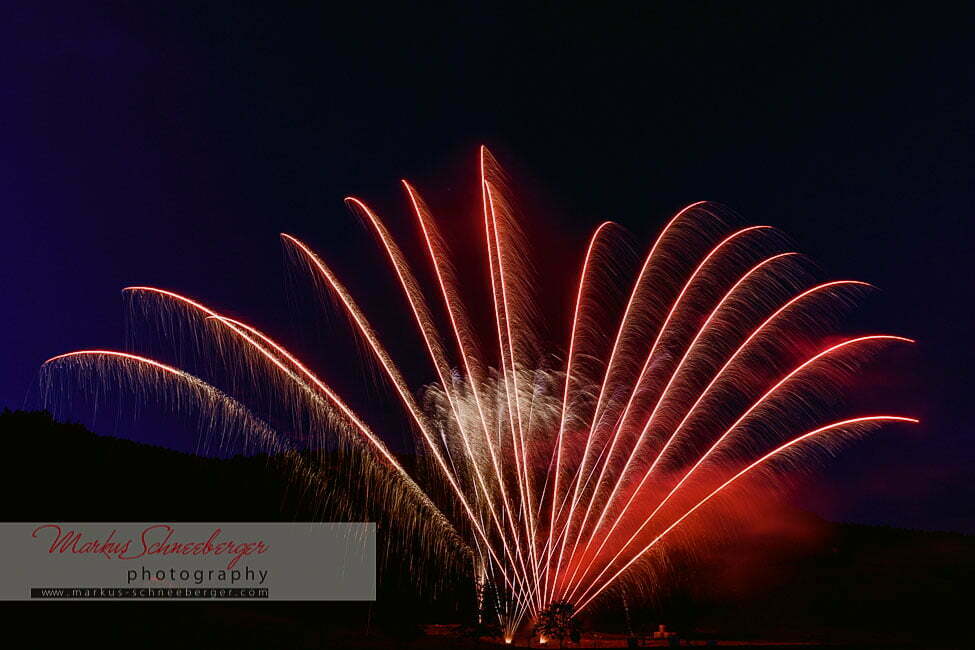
column 700, row 373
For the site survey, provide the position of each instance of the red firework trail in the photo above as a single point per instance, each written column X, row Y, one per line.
column 559, row 481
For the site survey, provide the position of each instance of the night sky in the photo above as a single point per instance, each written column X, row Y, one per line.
column 170, row 146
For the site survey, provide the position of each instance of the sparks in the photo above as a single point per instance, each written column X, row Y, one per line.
column 557, row 480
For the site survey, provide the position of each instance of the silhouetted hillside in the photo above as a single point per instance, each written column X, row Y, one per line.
column 830, row 583
column 809, row 579
column 66, row 472
column 63, row 472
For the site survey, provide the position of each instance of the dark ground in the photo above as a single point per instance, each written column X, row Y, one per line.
column 838, row 583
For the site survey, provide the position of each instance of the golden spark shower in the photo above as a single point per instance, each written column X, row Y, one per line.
column 686, row 376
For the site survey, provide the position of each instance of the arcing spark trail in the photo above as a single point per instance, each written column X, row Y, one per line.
column 559, row 480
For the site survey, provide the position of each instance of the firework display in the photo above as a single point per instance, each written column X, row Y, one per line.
column 714, row 366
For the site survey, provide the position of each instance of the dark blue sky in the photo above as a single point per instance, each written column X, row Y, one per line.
column 169, row 146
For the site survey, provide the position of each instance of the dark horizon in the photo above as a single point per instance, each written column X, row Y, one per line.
column 169, row 147
column 795, row 578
